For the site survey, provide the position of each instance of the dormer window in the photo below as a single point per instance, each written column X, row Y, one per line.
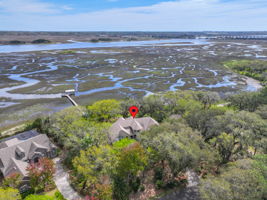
column 20, row 153
column 1, row 164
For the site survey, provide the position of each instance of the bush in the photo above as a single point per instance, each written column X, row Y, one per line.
column 59, row 196
column 262, row 111
column 135, row 184
column 104, row 111
column 9, row 194
column 246, row 101
column 36, row 124
column 241, row 180
column 159, row 184
column 172, row 184
column 142, row 188
column 27, row 193
column 121, row 189
column 158, row 173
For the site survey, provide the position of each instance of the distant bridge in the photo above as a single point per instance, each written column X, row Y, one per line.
column 240, row 37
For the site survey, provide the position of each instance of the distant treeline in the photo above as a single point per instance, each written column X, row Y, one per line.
column 138, row 34
column 101, row 40
column 38, row 41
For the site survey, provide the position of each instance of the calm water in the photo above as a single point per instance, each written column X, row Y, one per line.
column 78, row 45
column 118, row 81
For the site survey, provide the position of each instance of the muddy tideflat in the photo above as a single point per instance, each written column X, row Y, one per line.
column 39, row 78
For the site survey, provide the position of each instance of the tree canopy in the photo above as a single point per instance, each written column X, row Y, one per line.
column 222, row 139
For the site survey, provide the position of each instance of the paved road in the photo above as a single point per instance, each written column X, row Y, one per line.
column 61, row 179
column 188, row 193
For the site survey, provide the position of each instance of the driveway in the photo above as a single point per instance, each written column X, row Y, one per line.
column 61, row 179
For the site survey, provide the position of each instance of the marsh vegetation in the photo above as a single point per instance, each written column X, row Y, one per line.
column 40, row 77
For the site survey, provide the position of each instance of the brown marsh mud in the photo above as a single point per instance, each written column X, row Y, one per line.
column 38, row 78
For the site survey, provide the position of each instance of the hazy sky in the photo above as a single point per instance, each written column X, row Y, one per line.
column 133, row 15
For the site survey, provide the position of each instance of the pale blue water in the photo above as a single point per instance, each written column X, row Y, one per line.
column 78, row 45
column 118, row 81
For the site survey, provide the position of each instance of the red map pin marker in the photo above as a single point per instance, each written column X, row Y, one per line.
column 133, row 110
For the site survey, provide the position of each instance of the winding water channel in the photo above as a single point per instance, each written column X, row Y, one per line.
column 4, row 92
column 118, row 81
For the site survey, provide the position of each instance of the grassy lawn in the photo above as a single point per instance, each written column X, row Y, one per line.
column 51, row 193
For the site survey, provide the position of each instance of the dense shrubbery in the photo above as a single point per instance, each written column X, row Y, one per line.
column 98, row 167
column 41, row 175
column 198, row 131
column 71, row 131
column 241, row 180
column 253, row 68
column 9, row 194
column 57, row 196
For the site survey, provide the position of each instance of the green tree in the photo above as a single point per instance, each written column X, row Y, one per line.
column 178, row 145
column 246, row 101
column 248, row 129
column 131, row 160
column 262, row 111
column 239, row 181
column 201, row 119
column 9, row 194
column 263, row 95
column 153, row 106
column 208, row 98
column 225, row 144
column 93, row 164
column 104, row 191
column 181, row 101
column 107, row 170
column 213, row 188
column 41, row 174
column 104, row 111
column 72, row 132
column 66, row 123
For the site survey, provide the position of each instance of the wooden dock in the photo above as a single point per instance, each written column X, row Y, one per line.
column 70, row 99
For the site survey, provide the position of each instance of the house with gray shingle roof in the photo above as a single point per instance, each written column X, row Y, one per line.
column 129, row 127
column 18, row 151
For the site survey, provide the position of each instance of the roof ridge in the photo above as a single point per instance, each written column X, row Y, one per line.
column 124, row 129
column 22, row 141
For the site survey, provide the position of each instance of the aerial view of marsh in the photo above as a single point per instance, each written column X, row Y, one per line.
column 34, row 76
column 133, row 100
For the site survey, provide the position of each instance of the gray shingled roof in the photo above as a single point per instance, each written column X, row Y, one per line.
column 21, row 136
column 125, row 127
column 21, row 143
